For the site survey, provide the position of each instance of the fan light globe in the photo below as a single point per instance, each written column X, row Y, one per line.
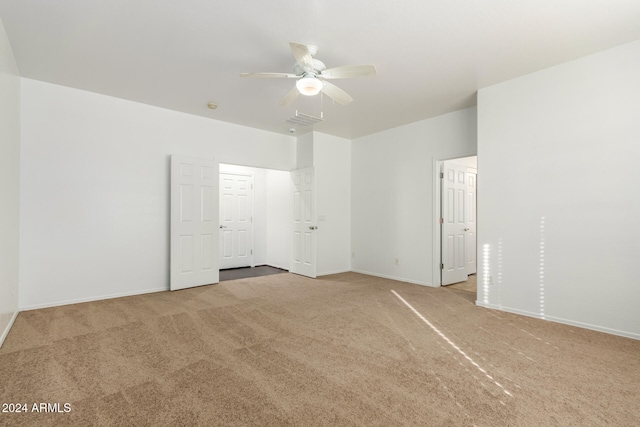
column 309, row 86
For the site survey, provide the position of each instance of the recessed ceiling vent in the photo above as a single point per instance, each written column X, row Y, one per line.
column 305, row 119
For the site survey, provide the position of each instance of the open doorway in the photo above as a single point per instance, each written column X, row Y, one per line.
column 255, row 218
column 455, row 208
column 248, row 272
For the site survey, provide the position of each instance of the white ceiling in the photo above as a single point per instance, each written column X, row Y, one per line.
column 431, row 55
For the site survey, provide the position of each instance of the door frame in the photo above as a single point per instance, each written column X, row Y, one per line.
column 230, row 167
column 437, row 163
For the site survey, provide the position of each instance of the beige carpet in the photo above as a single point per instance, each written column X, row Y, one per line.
column 470, row 285
column 339, row 350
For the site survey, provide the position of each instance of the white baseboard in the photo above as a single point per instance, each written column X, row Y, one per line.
column 555, row 319
column 399, row 279
column 103, row 297
column 326, row 273
column 8, row 328
column 89, row 299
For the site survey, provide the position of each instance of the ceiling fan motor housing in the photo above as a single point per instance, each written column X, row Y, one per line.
column 318, row 68
column 312, row 75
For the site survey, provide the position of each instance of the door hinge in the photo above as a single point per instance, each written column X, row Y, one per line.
column 441, row 175
column 441, row 266
column 441, row 220
column 251, row 251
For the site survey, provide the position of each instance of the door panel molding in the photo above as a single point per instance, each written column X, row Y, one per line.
column 193, row 223
column 437, row 163
column 236, row 220
column 304, row 229
column 454, row 225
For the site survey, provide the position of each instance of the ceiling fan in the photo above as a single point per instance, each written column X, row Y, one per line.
column 311, row 75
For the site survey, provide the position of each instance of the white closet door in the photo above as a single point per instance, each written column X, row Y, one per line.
column 194, row 222
column 454, row 223
column 472, row 197
column 236, row 220
column 304, row 217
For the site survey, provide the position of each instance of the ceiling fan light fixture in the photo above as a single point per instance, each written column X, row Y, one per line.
column 309, row 86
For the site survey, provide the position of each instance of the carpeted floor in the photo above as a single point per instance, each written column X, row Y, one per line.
column 346, row 349
column 470, row 285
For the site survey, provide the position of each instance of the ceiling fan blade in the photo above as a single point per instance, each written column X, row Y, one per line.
column 302, row 55
column 349, row 71
column 290, row 97
column 269, row 75
column 335, row 93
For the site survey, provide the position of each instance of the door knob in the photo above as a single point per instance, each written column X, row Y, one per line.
column 223, row 226
column 466, row 229
column 313, row 227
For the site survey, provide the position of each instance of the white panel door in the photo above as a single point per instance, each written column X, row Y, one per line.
column 194, row 222
column 236, row 220
column 304, row 217
column 472, row 197
column 454, row 223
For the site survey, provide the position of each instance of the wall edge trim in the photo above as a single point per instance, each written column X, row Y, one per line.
column 597, row 328
column 400, row 279
column 328, row 273
column 8, row 328
column 90, row 299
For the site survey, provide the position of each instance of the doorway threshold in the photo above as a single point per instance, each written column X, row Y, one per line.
column 245, row 272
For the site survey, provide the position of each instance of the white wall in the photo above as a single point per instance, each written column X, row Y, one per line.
column 393, row 194
column 559, row 205
column 332, row 163
column 95, row 189
column 330, row 156
column 304, row 151
column 279, row 213
column 9, row 184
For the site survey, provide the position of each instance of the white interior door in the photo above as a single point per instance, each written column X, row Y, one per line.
column 236, row 220
column 454, row 223
column 194, row 222
column 304, row 228
column 472, row 197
